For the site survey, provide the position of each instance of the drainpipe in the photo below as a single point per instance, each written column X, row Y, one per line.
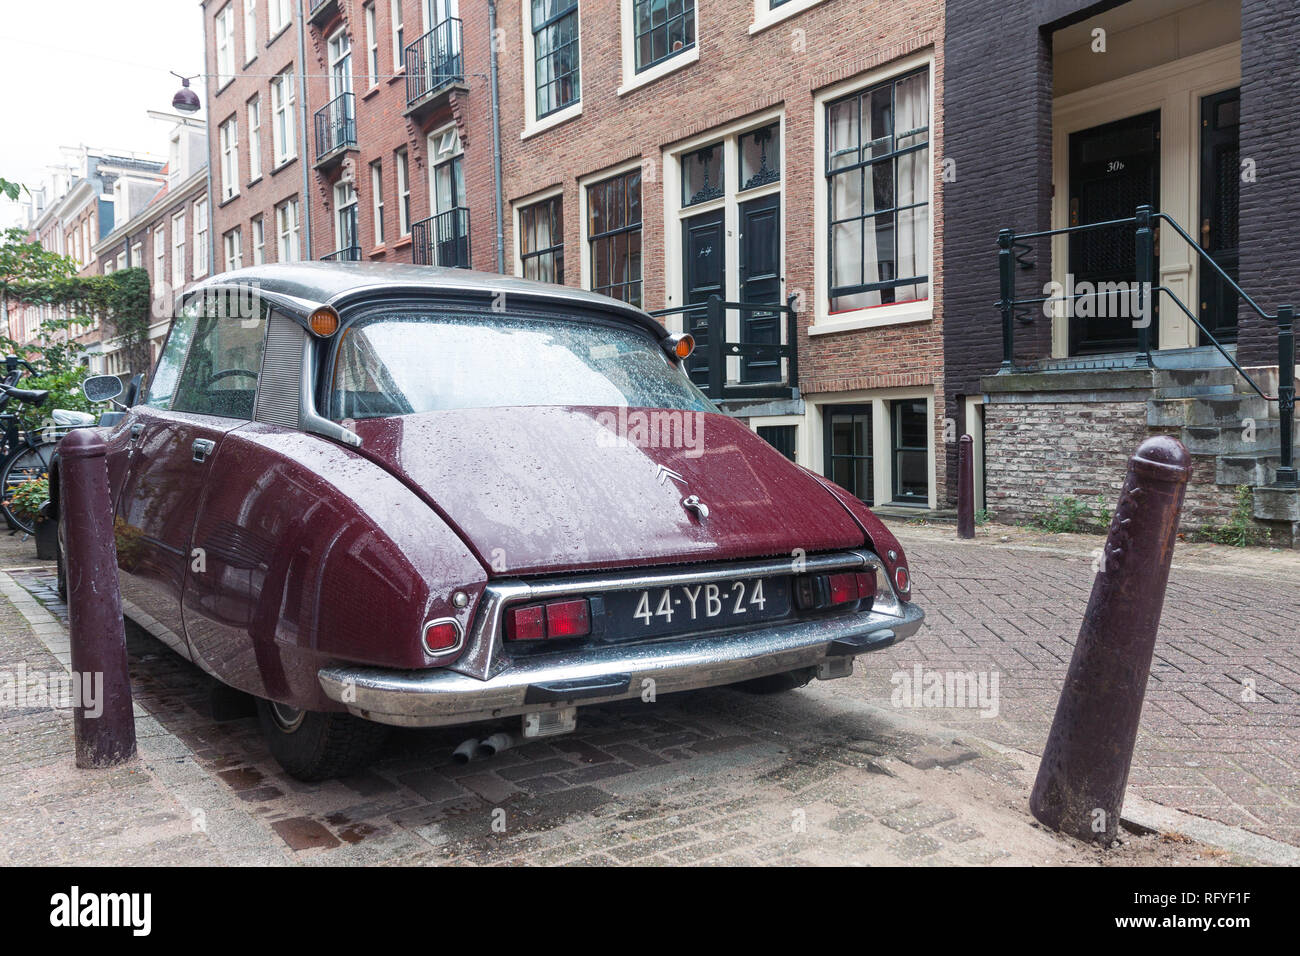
column 305, row 151
column 209, row 145
column 496, row 139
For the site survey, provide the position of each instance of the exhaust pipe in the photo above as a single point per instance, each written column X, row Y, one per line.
column 495, row 744
column 466, row 752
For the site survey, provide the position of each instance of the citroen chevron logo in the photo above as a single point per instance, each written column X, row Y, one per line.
column 666, row 473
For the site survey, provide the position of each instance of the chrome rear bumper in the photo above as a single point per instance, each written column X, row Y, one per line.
column 621, row 671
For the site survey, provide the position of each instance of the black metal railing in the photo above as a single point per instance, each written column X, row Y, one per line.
column 336, row 126
column 434, row 61
column 1145, row 294
column 768, row 364
column 317, row 8
column 442, row 240
column 346, row 254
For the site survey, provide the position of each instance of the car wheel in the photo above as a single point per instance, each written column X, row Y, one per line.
column 316, row 746
column 60, row 566
column 778, row 683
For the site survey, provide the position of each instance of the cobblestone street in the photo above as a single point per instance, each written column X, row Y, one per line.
column 832, row 773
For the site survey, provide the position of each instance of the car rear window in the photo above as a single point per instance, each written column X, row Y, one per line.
column 400, row 363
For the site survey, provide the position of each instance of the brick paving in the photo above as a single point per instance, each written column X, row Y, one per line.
column 1211, row 743
column 827, row 774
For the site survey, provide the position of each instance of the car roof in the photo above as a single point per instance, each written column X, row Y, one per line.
column 342, row 283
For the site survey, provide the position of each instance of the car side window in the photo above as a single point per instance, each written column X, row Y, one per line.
column 224, row 362
column 163, row 386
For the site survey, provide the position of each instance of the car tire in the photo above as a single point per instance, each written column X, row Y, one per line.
column 60, row 566
column 778, row 683
column 313, row 746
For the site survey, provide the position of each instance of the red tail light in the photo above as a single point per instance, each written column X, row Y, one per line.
column 820, row 591
column 559, row 619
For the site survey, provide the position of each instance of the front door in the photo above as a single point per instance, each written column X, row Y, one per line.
column 704, row 247
column 760, row 281
column 1220, row 182
column 1114, row 168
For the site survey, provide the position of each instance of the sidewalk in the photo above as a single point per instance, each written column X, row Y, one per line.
column 819, row 776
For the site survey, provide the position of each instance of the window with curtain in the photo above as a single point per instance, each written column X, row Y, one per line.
column 878, row 191
column 614, row 236
column 541, row 240
column 555, row 54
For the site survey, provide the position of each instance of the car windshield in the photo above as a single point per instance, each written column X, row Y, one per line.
column 399, row 363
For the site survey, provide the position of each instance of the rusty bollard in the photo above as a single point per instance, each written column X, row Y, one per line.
column 102, row 721
column 966, row 488
column 1081, row 780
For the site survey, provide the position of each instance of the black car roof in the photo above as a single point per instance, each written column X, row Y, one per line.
column 343, row 283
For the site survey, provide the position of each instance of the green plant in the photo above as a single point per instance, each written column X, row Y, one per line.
column 65, row 392
column 28, row 497
column 1070, row 515
column 1239, row 530
column 983, row 516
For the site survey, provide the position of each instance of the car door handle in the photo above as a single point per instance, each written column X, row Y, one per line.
column 202, row 449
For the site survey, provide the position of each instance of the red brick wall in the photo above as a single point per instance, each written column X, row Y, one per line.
column 382, row 128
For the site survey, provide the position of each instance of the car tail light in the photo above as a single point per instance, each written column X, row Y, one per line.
column 568, row 618
column 558, row 619
column 902, row 580
column 820, row 591
column 441, row 636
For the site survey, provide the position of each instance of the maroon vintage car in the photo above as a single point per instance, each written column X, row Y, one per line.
column 380, row 495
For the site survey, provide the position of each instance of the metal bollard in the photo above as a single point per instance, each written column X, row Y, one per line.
column 104, row 727
column 1081, row 780
column 966, row 488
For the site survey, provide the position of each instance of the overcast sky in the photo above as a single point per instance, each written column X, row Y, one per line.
column 76, row 72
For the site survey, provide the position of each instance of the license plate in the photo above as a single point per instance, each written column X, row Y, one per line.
column 684, row 608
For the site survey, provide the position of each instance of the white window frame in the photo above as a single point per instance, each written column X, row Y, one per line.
column 766, row 16
column 377, row 201
column 278, row 16
column 403, row 161
column 201, row 227
column 372, row 46
column 284, row 141
column 159, row 254
column 228, row 140
column 730, row 202
column 137, row 255
column 178, row 251
column 287, row 231
column 338, row 50
column 532, row 125
column 632, row 80
column 345, row 198
column 258, row 226
column 397, row 25
column 250, row 31
column 584, row 245
column 233, row 246
column 224, row 33
column 254, row 107
column 525, row 202
column 823, row 322
column 436, row 156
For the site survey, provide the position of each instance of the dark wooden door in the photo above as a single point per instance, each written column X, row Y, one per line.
column 1114, row 168
column 760, row 281
column 704, row 252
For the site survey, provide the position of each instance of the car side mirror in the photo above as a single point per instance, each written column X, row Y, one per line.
column 101, row 388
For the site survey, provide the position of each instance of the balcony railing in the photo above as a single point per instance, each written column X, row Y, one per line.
column 434, row 62
column 336, row 126
column 1144, row 293
column 318, row 11
column 442, row 240
column 760, row 361
column 346, row 254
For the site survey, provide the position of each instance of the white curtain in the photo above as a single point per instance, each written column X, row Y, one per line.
column 912, row 108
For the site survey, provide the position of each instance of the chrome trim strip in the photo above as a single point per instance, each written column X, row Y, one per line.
column 485, row 657
column 437, row 697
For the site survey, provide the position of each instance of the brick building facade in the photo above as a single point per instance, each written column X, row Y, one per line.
column 339, row 159
column 725, row 139
column 1070, row 114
